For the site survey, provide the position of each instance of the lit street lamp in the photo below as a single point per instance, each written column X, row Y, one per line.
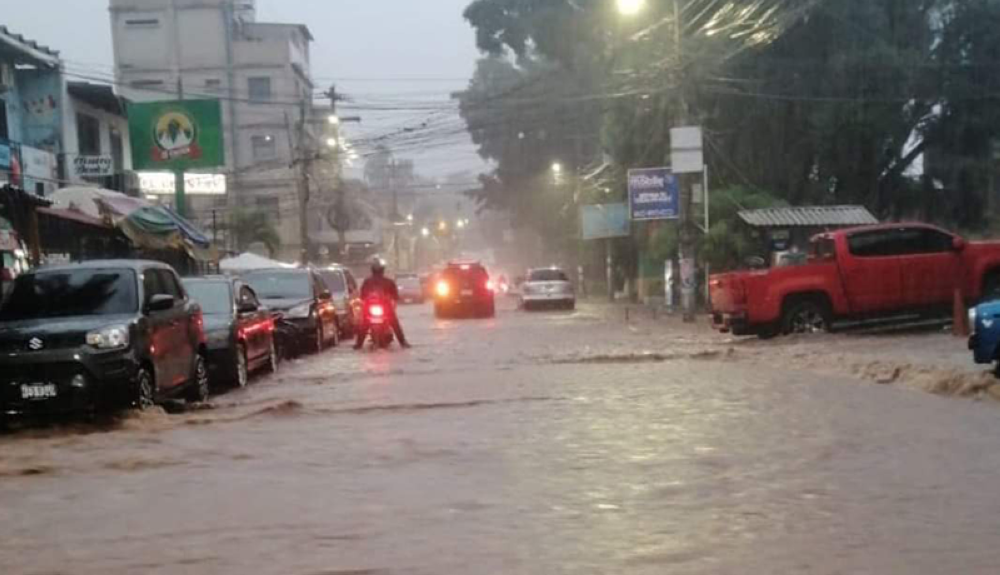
column 425, row 232
column 630, row 7
column 557, row 168
column 331, row 142
column 334, row 120
column 460, row 224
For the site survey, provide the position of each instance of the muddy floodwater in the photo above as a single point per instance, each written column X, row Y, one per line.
column 536, row 444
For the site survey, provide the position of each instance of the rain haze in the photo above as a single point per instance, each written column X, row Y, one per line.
column 391, row 68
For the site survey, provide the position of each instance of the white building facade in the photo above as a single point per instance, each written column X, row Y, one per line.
column 170, row 49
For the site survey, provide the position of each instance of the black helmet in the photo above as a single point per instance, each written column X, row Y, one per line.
column 378, row 266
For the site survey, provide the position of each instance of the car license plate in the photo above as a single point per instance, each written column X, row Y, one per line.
column 377, row 321
column 466, row 293
column 36, row 391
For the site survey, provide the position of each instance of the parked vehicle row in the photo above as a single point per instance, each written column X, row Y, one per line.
column 107, row 335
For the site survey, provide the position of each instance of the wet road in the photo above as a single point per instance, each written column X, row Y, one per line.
column 538, row 444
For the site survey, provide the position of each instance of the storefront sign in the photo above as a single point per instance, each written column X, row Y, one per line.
column 93, row 166
column 163, row 183
column 176, row 136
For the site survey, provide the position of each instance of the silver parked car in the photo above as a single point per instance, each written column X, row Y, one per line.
column 547, row 287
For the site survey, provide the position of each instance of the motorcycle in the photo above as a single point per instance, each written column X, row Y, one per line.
column 378, row 318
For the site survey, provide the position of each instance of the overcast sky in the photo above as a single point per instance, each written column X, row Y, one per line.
column 386, row 53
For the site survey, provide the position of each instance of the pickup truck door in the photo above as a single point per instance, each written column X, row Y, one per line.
column 870, row 271
column 931, row 269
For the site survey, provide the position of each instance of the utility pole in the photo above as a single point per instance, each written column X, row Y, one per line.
column 688, row 250
column 302, row 158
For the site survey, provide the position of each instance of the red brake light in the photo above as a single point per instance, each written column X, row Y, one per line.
column 376, row 311
column 490, row 286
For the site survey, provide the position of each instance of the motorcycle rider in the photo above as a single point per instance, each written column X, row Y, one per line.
column 380, row 286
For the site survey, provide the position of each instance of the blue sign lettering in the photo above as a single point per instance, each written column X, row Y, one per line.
column 654, row 194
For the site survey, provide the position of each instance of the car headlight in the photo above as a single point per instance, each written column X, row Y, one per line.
column 113, row 337
column 300, row 311
column 973, row 318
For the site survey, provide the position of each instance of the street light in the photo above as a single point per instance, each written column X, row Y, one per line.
column 557, row 168
column 443, row 226
column 460, row 224
column 334, row 120
column 630, row 7
column 409, row 218
column 425, row 232
column 331, row 142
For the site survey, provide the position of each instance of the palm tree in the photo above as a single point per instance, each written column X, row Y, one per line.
column 249, row 227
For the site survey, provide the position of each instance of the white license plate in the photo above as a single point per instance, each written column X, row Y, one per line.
column 38, row 391
column 466, row 293
column 377, row 321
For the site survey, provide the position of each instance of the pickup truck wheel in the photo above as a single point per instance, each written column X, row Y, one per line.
column 769, row 332
column 805, row 316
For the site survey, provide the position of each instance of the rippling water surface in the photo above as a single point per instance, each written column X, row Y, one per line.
column 530, row 444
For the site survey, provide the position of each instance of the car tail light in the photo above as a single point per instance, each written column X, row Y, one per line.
column 443, row 289
column 376, row 310
column 490, row 285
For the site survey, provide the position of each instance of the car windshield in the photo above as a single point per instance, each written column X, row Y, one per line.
column 280, row 285
column 214, row 297
column 71, row 294
column 408, row 281
column 547, row 276
column 334, row 281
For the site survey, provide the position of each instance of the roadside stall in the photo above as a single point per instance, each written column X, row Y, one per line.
column 155, row 232
column 784, row 233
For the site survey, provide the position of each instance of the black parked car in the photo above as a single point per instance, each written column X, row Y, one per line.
column 99, row 334
column 302, row 298
column 239, row 330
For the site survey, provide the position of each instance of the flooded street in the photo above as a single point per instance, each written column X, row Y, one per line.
column 541, row 443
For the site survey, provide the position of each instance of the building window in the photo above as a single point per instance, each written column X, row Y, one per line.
column 263, row 147
column 117, row 151
column 147, row 83
column 260, row 89
column 143, row 23
column 88, row 135
column 270, row 205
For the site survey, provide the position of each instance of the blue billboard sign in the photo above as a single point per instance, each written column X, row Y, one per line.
column 604, row 221
column 653, row 194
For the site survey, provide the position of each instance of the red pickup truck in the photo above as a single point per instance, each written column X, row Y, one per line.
column 857, row 274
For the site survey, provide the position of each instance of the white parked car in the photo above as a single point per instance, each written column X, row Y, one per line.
column 547, row 287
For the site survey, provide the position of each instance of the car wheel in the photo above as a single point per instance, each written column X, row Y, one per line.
column 145, row 390
column 241, row 372
column 805, row 316
column 200, row 390
column 273, row 358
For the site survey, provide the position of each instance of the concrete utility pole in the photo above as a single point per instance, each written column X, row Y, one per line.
column 302, row 157
column 688, row 250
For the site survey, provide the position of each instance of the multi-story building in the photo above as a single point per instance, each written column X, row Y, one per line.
column 170, row 49
column 54, row 132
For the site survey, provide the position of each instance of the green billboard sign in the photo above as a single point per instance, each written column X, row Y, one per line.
column 176, row 136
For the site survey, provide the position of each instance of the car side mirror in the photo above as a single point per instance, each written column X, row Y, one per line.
column 248, row 307
column 160, row 302
column 958, row 244
column 755, row 262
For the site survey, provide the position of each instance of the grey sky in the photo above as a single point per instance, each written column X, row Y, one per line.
column 383, row 53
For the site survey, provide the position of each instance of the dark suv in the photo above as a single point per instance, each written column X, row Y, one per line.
column 99, row 334
column 464, row 289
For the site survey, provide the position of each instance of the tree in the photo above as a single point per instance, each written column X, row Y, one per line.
column 250, row 227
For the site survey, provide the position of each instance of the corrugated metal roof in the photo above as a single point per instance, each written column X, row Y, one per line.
column 809, row 216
